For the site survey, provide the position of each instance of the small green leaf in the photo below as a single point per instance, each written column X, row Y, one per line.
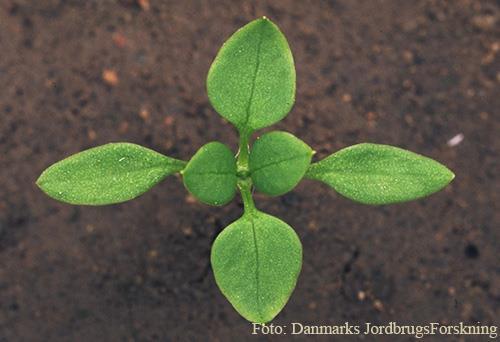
column 251, row 82
column 107, row 174
column 211, row 174
column 380, row 174
column 256, row 262
column 278, row 161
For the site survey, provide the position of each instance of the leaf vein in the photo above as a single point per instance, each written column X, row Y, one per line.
column 254, row 79
column 257, row 280
column 228, row 173
column 350, row 173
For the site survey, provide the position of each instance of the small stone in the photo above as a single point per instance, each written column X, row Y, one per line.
column 49, row 83
column 371, row 116
column 484, row 116
column 456, row 140
column 488, row 58
column 188, row 231
column 110, row 77
column 89, row 228
column 119, row 40
column 144, row 5
column 408, row 56
column 361, row 296
column 409, row 120
column 377, row 304
column 484, row 22
column 407, row 84
column 91, row 134
column 312, row 226
column 346, row 98
column 123, row 128
column 144, row 114
column 168, row 120
column 190, row 199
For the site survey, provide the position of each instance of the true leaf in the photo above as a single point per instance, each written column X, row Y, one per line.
column 251, row 82
column 380, row 174
column 278, row 161
column 107, row 174
column 210, row 175
column 256, row 262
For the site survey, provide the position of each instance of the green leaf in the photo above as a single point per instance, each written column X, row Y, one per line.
column 251, row 82
column 211, row 174
column 380, row 174
column 256, row 262
column 278, row 161
column 107, row 174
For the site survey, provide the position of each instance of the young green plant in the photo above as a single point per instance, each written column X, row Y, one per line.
column 257, row 259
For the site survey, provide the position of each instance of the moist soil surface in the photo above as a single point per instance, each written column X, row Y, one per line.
column 77, row 74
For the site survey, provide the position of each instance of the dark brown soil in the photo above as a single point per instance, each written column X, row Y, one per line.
column 76, row 74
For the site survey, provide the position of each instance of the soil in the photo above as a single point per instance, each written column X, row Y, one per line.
column 77, row 74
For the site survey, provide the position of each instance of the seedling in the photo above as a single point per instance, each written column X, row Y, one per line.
column 256, row 260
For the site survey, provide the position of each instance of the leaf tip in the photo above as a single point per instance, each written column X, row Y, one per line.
column 451, row 175
column 265, row 21
column 38, row 183
column 40, row 180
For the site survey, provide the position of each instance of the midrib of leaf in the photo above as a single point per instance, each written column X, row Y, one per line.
column 279, row 162
column 350, row 173
column 257, row 281
column 87, row 180
column 254, row 79
column 214, row 173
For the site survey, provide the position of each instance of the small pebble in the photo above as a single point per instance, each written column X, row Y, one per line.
column 123, row 128
column 110, row 77
column 168, row 120
column 484, row 22
column 89, row 228
column 346, row 98
column 377, row 304
column 456, row 140
column 144, row 4
column 91, row 134
column 119, row 40
column 190, row 199
column 188, row 231
column 312, row 226
column 144, row 114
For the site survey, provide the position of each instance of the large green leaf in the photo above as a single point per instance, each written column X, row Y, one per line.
column 256, row 262
column 211, row 174
column 107, row 174
column 380, row 174
column 278, row 161
column 251, row 82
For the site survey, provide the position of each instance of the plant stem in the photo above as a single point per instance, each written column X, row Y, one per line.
column 245, row 182
column 243, row 151
column 245, row 187
column 179, row 164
